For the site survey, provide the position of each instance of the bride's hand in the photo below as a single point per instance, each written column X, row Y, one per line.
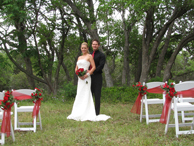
column 82, row 77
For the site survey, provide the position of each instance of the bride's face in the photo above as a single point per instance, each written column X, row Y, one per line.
column 84, row 49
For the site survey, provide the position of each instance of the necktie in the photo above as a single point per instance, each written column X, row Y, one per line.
column 93, row 57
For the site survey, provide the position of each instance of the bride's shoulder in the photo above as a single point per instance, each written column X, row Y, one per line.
column 89, row 55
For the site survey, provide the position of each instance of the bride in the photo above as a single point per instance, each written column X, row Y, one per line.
column 83, row 107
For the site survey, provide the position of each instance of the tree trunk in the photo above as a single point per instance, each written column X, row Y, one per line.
column 92, row 30
column 146, row 40
column 23, row 50
column 147, row 37
column 183, row 42
column 139, row 65
column 163, row 52
column 125, row 73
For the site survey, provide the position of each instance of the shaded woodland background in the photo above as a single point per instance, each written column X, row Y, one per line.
column 143, row 40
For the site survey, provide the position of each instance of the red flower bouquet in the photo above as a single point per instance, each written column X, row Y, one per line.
column 37, row 94
column 170, row 93
column 81, row 72
column 169, row 88
column 142, row 89
column 8, row 101
column 37, row 98
column 6, row 105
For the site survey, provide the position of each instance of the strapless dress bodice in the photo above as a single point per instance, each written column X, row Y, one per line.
column 82, row 63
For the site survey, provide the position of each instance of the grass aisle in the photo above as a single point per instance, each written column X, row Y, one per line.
column 122, row 129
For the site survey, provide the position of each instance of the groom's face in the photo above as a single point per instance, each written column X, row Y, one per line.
column 95, row 45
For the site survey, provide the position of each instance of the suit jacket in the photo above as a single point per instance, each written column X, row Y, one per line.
column 99, row 59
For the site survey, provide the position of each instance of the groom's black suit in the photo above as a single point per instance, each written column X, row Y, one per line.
column 96, row 85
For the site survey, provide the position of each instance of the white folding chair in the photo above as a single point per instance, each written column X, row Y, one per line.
column 18, row 109
column 186, row 99
column 177, row 107
column 145, row 101
column 2, row 140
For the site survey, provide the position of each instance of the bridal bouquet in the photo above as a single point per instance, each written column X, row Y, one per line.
column 81, row 72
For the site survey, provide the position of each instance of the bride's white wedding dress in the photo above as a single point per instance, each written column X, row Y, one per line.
column 83, row 107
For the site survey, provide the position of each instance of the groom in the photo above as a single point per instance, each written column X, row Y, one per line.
column 96, row 85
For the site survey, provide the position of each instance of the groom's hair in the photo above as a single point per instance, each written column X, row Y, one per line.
column 96, row 41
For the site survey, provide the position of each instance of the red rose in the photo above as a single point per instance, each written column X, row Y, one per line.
column 32, row 94
column 5, row 98
column 36, row 94
column 8, row 103
column 40, row 94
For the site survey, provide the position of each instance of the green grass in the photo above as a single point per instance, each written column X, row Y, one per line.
column 122, row 129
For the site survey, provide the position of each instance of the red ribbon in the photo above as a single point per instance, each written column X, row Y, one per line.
column 20, row 96
column 163, row 118
column 137, row 105
column 6, row 122
column 36, row 107
column 186, row 93
column 157, row 90
column 37, row 103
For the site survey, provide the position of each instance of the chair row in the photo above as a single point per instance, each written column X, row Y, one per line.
column 18, row 109
column 178, row 104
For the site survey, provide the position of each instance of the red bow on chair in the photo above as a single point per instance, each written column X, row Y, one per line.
column 36, row 108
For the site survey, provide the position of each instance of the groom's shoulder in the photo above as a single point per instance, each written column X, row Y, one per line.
column 102, row 54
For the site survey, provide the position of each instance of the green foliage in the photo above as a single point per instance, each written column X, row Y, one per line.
column 156, row 79
column 118, row 94
column 123, row 129
column 19, row 81
column 5, row 72
column 122, row 94
column 68, row 91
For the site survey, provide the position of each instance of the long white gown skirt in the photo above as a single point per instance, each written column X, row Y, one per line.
column 83, row 107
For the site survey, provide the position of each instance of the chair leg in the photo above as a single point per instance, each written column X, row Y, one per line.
column 176, row 121
column 12, row 133
column 34, row 124
column 168, row 119
column 146, row 112
column 15, row 120
column 183, row 116
column 141, row 112
column 2, row 138
column 192, row 124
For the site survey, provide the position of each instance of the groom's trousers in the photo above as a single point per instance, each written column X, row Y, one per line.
column 96, row 87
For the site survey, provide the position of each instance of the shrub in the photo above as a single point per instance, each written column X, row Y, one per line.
column 122, row 94
column 68, row 91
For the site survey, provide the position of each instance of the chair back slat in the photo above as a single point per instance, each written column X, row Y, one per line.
column 184, row 86
column 25, row 91
column 2, row 95
column 154, row 84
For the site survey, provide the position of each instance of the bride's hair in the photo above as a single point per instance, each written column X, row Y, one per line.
column 84, row 43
